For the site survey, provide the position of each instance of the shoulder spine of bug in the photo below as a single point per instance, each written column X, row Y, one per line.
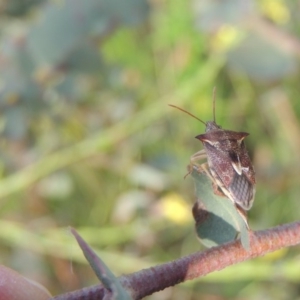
column 229, row 164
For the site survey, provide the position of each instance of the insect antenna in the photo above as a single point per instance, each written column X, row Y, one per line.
column 214, row 104
column 187, row 113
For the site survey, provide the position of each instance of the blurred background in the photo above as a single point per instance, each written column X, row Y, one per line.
column 88, row 139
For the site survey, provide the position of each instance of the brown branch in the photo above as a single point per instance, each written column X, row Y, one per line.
column 148, row 281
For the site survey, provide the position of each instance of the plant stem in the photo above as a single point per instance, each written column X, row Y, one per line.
column 148, row 281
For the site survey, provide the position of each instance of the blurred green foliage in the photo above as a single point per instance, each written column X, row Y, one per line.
column 87, row 138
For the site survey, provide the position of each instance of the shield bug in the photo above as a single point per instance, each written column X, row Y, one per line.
column 228, row 162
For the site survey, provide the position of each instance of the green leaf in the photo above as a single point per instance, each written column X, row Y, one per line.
column 217, row 218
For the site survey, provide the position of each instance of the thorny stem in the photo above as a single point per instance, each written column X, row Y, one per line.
column 148, row 281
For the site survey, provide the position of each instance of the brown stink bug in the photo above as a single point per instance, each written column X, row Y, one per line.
column 229, row 164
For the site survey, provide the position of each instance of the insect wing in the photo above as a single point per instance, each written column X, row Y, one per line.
column 242, row 191
column 230, row 166
column 246, row 161
column 238, row 187
column 243, row 186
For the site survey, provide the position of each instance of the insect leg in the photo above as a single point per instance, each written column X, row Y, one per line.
column 200, row 155
column 204, row 167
